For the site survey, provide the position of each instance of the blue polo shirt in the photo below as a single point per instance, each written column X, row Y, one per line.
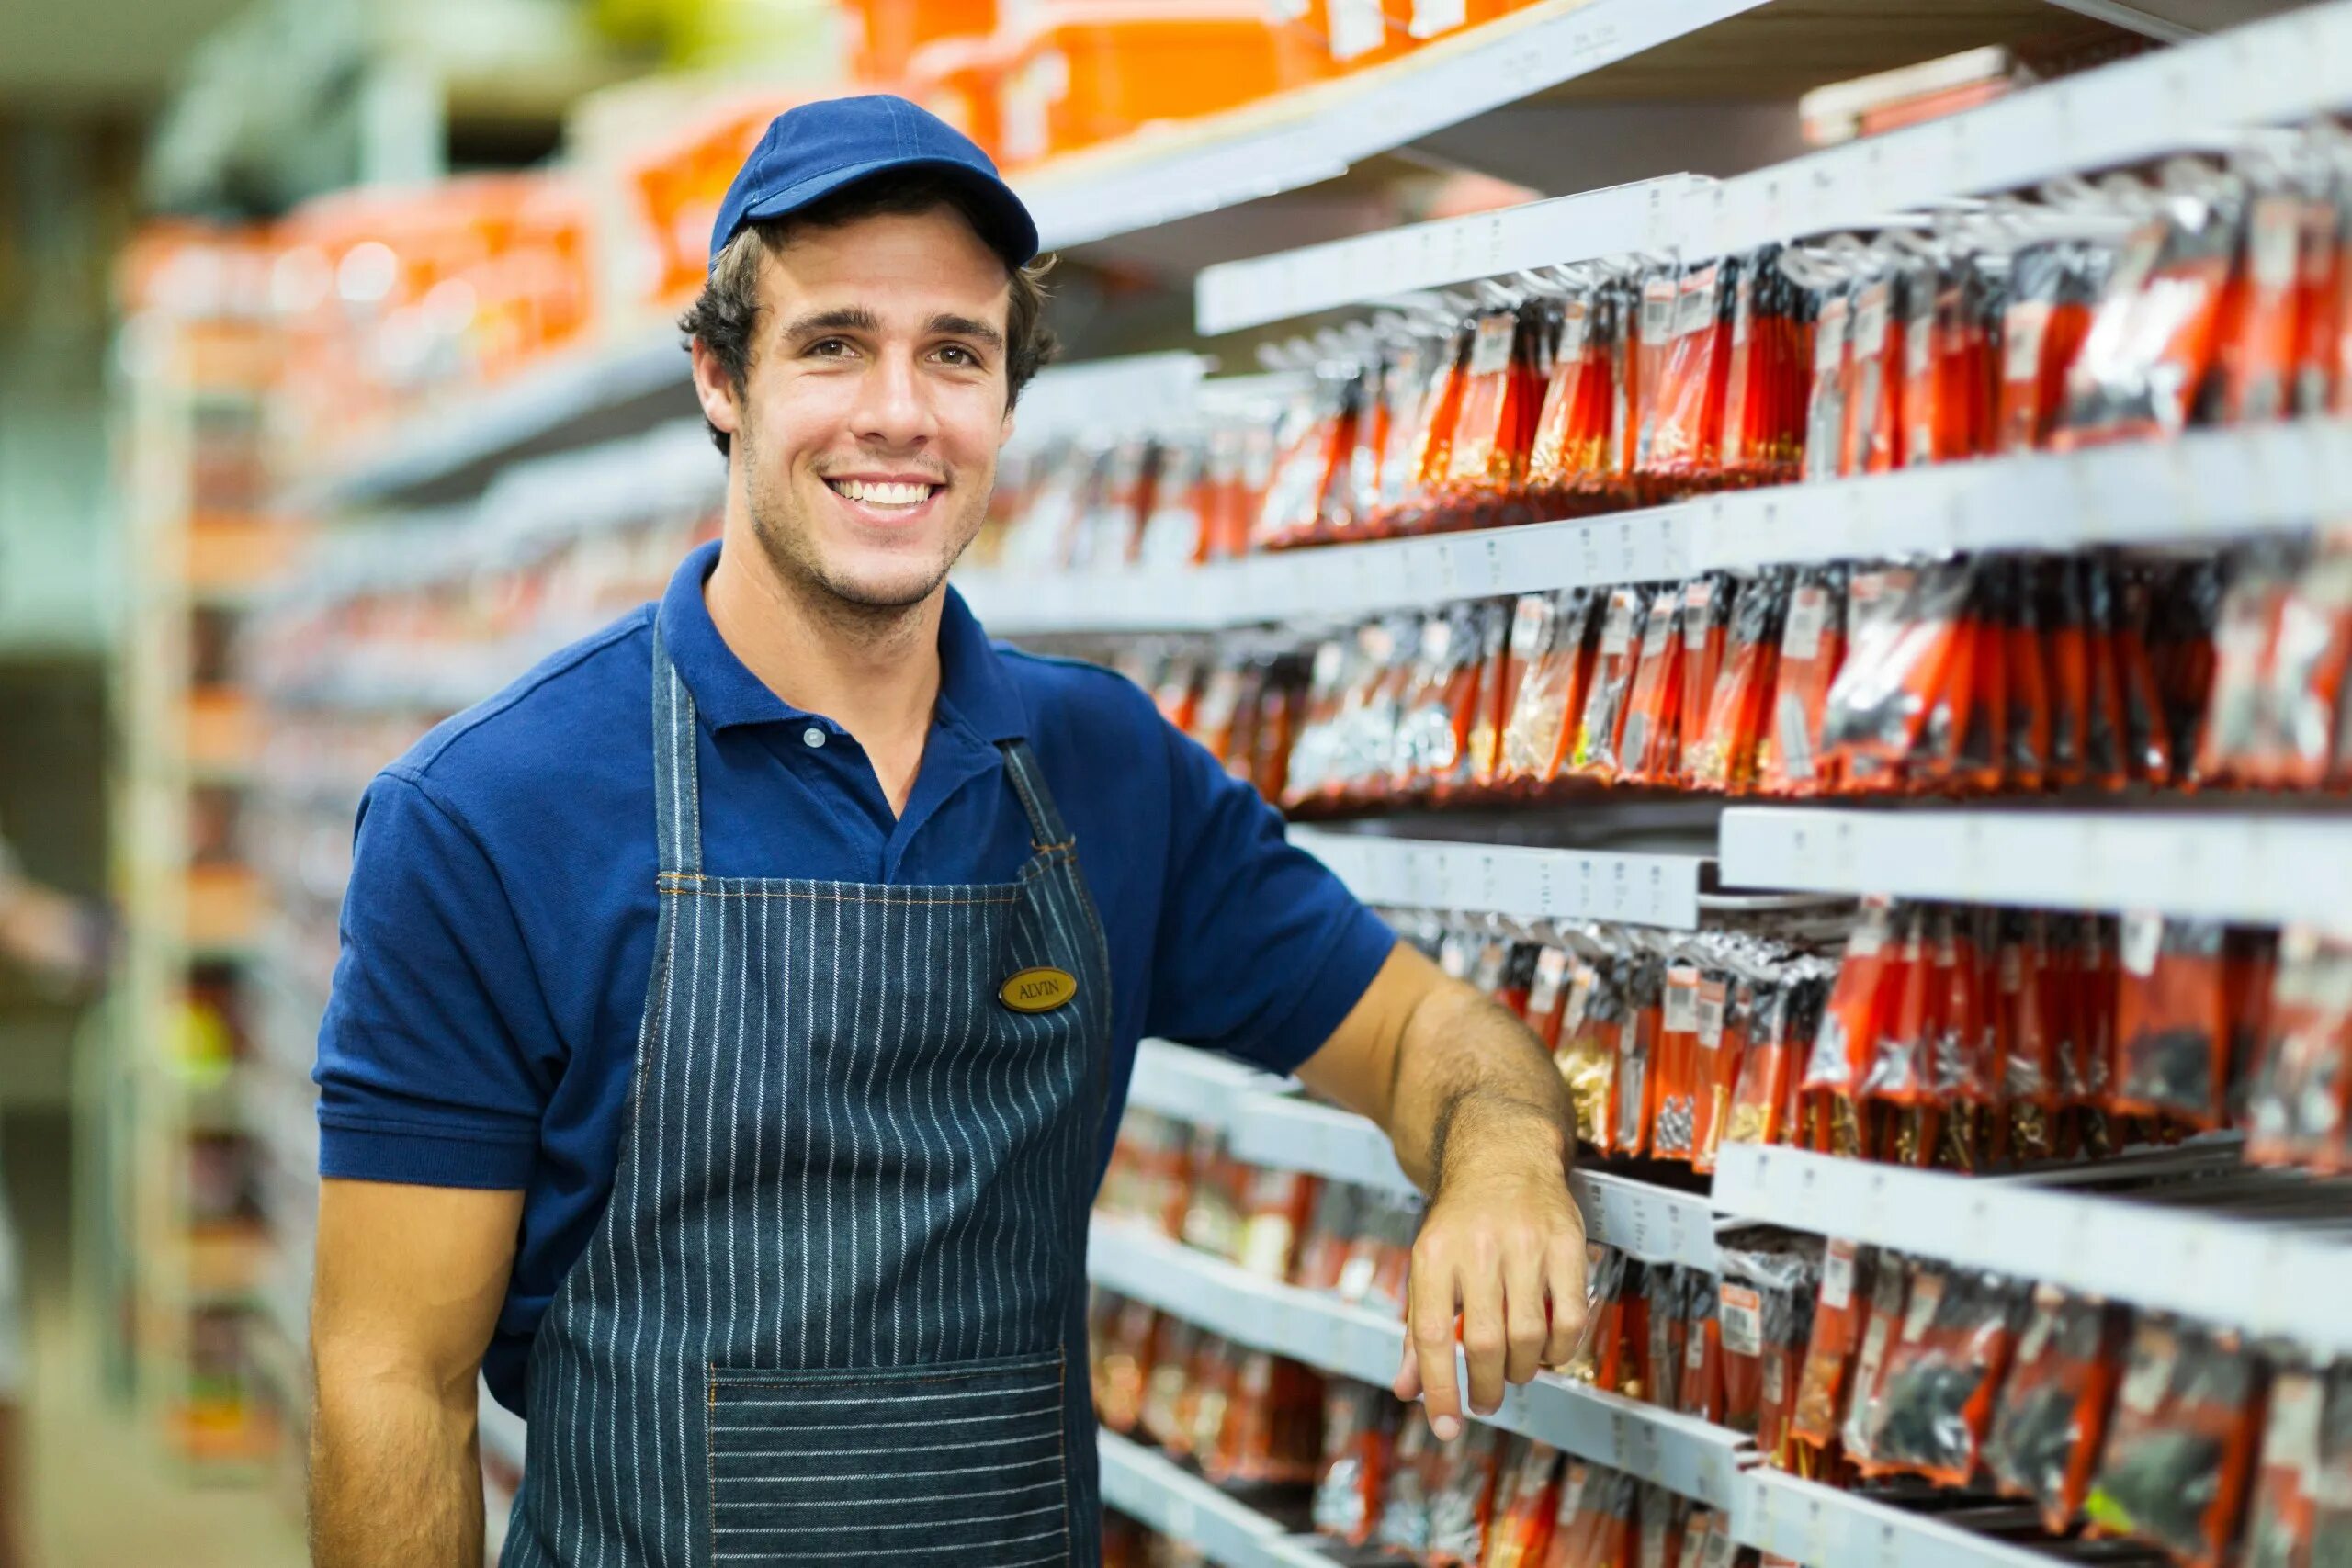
column 498, row 927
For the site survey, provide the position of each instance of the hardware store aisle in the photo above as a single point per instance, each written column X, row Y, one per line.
column 105, row 1493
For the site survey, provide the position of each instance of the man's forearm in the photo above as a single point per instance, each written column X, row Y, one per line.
column 1474, row 1083
column 395, row 1474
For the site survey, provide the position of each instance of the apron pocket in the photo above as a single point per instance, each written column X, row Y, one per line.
column 962, row 1464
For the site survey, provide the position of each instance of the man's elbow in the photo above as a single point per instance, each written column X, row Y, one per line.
column 369, row 1369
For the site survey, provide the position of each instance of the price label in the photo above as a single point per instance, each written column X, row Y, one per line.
column 1632, row 1222
column 1871, row 1216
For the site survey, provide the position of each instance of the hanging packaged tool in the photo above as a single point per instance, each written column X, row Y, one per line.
column 2046, row 1436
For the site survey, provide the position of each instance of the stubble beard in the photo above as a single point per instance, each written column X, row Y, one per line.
column 802, row 572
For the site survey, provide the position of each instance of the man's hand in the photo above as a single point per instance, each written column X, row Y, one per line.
column 1482, row 1122
column 61, row 939
column 1503, row 1248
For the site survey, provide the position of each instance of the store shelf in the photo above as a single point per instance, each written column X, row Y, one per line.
column 2261, row 869
column 1145, row 393
column 1266, row 1125
column 1687, row 1456
column 1502, row 879
column 1263, row 1315
column 1195, row 1086
column 2165, row 1249
column 595, row 395
column 1822, row 1527
column 1315, row 135
column 2207, row 486
column 1644, row 216
column 1155, row 1491
column 2268, row 72
column 1285, row 1133
column 1339, row 584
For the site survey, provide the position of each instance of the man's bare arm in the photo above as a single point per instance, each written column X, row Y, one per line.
column 407, row 1287
column 1483, row 1123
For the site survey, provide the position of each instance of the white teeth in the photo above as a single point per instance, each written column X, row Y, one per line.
column 883, row 494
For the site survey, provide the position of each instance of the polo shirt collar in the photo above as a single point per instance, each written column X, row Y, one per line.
column 973, row 685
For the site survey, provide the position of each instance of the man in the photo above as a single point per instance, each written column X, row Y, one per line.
column 62, row 942
column 735, row 1104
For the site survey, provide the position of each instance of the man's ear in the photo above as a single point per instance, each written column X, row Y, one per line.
column 1005, row 436
column 716, row 390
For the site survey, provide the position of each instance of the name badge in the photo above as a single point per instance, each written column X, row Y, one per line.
column 1038, row 990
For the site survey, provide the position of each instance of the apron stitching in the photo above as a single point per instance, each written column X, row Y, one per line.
column 899, row 1140
column 832, row 1033
column 825, row 898
column 660, row 1253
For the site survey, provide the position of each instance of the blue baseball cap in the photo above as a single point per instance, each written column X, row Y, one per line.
column 809, row 152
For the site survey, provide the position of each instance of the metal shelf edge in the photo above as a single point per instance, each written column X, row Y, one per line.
column 2261, row 869
column 1152, row 1489
column 1687, row 1456
column 2227, row 1272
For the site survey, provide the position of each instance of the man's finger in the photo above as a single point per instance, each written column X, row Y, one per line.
column 1527, row 1323
column 1485, row 1340
column 1564, row 1274
column 1408, row 1384
column 1430, row 1324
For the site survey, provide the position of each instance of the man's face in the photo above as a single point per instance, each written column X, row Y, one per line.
column 874, row 404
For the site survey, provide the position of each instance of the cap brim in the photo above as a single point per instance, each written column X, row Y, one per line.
column 1015, row 232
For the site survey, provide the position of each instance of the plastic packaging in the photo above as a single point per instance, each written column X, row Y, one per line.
column 1650, row 735
column 1527, row 1505
column 1623, row 643
column 1554, row 654
column 1934, row 1401
column 2281, row 1516
column 2144, row 361
column 1813, row 646
column 1462, row 1497
column 1721, row 754
column 1724, row 1003
column 1359, row 1430
column 2053, row 1419
column 2172, row 1021
column 1404, row 1521
column 1888, row 1315
column 2299, row 1100
column 2180, row 1450
column 1707, row 609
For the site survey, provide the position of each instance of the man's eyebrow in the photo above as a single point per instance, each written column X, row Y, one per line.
column 964, row 326
column 849, row 318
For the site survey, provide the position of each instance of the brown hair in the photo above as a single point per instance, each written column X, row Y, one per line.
column 726, row 316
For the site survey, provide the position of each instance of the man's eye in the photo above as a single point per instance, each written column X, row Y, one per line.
column 829, row 348
column 957, row 353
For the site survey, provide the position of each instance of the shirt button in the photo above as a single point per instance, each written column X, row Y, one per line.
column 813, row 736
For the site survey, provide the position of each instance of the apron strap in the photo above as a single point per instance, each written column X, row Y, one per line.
column 677, row 774
column 1045, row 829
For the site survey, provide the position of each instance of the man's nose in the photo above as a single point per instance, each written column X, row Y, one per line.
column 894, row 408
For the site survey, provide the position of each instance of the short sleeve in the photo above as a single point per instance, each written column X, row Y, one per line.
column 1261, row 951
column 437, row 1052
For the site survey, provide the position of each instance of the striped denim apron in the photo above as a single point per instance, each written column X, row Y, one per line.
column 835, row 1309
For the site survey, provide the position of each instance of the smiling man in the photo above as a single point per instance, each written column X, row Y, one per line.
column 734, row 1102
